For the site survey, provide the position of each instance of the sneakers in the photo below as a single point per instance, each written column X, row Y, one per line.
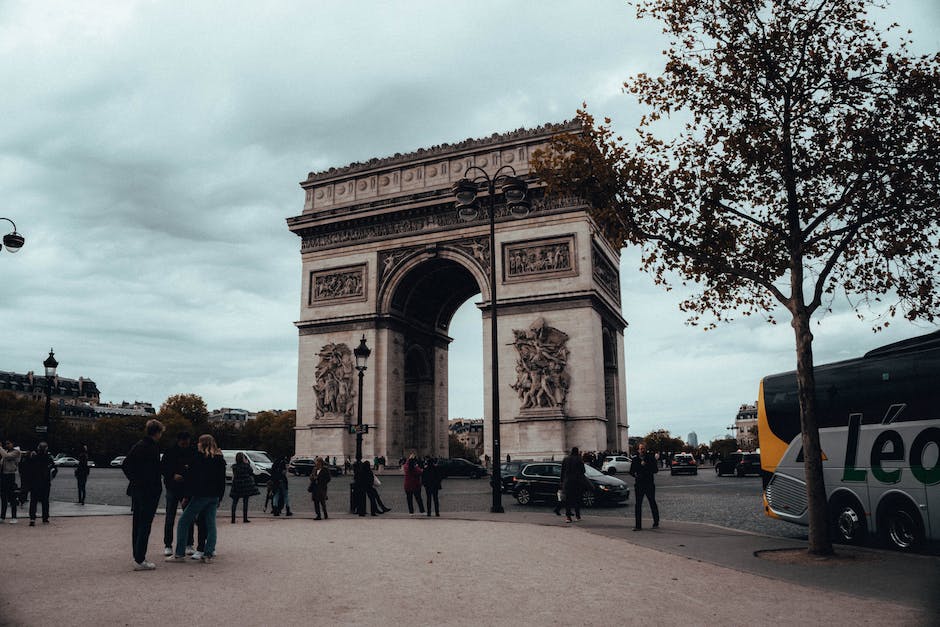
column 197, row 555
column 190, row 550
column 144, row 565
column 175, row 558
column 168, row 550
column 13, row 521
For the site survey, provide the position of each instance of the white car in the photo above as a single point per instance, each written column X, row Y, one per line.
column 616, row 463
column 65, row 461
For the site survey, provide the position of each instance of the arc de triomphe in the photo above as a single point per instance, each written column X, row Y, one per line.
column 384, row 255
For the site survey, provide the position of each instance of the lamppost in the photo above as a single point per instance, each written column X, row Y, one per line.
column 362, row 353
column 514, row 191
column 13, row 241
column 734, row 429
column 50, row 364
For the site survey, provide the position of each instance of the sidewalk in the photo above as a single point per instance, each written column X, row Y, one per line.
column 460, row 569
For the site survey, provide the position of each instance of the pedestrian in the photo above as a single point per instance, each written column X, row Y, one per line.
column 173, row 467
column 81, row 474
column 281, row 499
column 412, row 472
column 243, row 486
column 372, row 484
column 431, row 480
column 204, row 483
column 642, row 468
column 319, row 480
column 10, row 463
column 573, row 483
column 40, row 472
column 142, row 468
column 346, row 466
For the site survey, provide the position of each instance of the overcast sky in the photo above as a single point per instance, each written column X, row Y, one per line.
column 150, row 153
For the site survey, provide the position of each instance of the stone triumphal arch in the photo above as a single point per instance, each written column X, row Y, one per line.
column 385, row 255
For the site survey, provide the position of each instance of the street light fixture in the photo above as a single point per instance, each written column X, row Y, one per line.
column 362, row 353
column 13, row 241
column 50, row 364
column 465, row 191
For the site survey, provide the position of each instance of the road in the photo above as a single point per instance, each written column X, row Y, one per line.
column 727, row 501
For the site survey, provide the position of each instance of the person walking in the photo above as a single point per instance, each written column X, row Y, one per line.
column 142, row 468
column 41, row 471
column 243, row 486
column 81, row 474
column 9, row 463
column 431, row 480
column 642, row 468
column 204, row 487
column 412, row 470
column 319, row 480
column 173, row 467
column 372, row 484
column 573, row 483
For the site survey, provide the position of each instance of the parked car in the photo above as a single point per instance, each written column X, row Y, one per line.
column 118, row 461
column 259, row 461
column 540, row 481
column 616, row 463
column 65, row 461
column 739, row 464
column 683, row 463
column 508, row 472
column 460, row 467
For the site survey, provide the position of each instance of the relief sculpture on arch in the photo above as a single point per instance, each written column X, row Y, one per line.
column 334, row 383
column 542, row 380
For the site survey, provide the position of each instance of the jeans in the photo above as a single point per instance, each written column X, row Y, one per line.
column 649, row 491
column 416, row 494
column 173, row 499
column 205, row 506
column 144, row 506
column 7, row 493
column 37, row 495
column 431, row 498
column 281, row 499
column 82, row 480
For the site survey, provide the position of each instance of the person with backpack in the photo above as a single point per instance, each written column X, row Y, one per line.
column 142, row 468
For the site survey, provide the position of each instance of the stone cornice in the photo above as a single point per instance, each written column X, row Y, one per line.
column 517, row 136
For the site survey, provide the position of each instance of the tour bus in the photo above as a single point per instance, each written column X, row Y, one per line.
column 879, row 427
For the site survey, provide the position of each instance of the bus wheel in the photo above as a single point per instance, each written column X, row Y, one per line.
column 848, row 522
column 902, row 527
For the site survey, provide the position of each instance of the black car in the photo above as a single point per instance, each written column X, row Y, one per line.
column 683, row 463
column 301, row 466
column 460, row 467
column 540, row 481
column 739, row 464
column 508, row 472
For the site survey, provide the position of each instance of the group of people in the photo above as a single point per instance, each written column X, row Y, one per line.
column 643, row 465
column 36, row 470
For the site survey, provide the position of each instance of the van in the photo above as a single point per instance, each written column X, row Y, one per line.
column 259, row 461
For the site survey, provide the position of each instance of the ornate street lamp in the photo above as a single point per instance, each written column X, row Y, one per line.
column 50, row 364
column 13, row 241
column 362, row 353
column 514, row 191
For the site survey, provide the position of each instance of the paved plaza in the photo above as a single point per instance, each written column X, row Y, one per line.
column 460, row 569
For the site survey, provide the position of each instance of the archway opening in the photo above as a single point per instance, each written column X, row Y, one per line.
column 424, row 306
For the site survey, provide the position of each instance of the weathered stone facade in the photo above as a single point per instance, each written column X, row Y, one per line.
column 385, row 255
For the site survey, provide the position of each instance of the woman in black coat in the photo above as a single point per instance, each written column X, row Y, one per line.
column 319, row 480
column 243, row 485
column 431, row 480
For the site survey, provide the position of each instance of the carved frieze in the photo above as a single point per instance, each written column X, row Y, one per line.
column 337, row 285
column 605, row 273
column 336, row 394
column 542, row 380
column 537, row 259
column 441, row 218
column 476, row 247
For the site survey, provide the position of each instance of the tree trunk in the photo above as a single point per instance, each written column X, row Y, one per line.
column 819, row 540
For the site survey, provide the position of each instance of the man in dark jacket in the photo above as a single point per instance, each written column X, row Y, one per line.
column 142, row 468
column 573, row 483
column 40, row 471
column 642, row 467
column 173, row 467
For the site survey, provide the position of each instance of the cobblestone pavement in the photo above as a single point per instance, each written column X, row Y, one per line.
column 727, row 501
